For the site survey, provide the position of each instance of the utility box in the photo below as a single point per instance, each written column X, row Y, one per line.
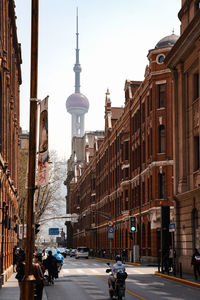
column 136, row 253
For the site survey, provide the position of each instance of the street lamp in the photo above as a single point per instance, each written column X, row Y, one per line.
column 110, row 225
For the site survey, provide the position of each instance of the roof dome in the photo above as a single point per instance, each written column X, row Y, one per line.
column 169, row 40
column 77, row 100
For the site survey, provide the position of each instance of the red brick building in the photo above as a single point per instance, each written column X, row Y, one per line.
column 10, row 80
column 131, row 171
column 184, row 61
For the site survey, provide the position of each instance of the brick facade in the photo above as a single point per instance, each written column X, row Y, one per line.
column 184, row 61
column 130, row 171
column 10, row 80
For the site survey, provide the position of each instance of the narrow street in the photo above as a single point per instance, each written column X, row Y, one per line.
column 87, row 279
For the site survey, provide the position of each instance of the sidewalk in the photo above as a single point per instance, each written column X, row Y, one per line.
column 10, row 290
column 186, row 278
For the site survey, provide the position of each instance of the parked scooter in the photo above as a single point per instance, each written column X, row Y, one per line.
column 116, row 283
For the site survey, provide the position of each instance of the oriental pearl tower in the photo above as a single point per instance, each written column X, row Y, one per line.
column 77, row 104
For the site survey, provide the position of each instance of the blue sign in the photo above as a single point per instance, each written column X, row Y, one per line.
column 171, row 227
column 53, row 231
column 111, row 232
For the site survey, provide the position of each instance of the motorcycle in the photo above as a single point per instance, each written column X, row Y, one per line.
column 116, row 284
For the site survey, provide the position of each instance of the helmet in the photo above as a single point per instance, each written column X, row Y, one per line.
column 118, row 258
column 58, row 251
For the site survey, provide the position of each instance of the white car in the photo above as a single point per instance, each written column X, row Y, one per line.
column 82, row 252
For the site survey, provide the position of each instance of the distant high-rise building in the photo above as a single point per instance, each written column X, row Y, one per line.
column 77, row 104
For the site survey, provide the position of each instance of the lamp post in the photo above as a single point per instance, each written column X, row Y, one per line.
column 108, row 217
column 28, row 284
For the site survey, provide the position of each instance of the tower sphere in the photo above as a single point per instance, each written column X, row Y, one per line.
column 77, row 101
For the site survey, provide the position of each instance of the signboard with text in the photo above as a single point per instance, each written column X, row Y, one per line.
column 53, row 231
column 111, row 232
column 171, row 227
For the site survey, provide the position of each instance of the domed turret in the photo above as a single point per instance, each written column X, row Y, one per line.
column 169, row 40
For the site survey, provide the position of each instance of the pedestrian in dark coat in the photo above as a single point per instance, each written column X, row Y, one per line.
column 196, row 263
column 51, row 265
column 20, row 269
column 14, row 258
column 38, row 272
column 124, row 255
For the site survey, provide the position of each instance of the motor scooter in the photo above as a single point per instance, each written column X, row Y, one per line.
column 59, row 264
column 116, row 283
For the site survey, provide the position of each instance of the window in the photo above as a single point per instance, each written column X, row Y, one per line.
column 196, row 153
column 126, row 172
column 161, row 139
column 149, row 235
column 143, row 236
column 150, row 100
column 143, row 192
column 161, row 95
column 160, row 58
column 126, row 199
column 161, row 182
column 143, row 152
column 143, row 112
column 197, row 5
column 196, row 86
column 126, row 150
column 194, row 227
column 147, row 106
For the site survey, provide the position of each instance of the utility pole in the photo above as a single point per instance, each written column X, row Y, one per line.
column 28, row 293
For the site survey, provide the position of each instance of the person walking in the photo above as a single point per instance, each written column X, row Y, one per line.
column 195, row 262
column 124, row 255
column 50, row 264
column 14, row 258
column 38, row 272
column 20, row 269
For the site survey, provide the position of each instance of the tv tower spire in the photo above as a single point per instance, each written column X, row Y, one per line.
column 77, row 66
column 77, row 104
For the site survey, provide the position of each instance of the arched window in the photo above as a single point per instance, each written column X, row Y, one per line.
column 194, row 226
column 149, row 234
column 143, row 236
column 161, row 183
column 162, row 138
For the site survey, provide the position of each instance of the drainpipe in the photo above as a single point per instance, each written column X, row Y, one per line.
column 140, row 180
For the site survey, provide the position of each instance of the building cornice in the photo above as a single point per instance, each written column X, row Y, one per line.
column 184, row 43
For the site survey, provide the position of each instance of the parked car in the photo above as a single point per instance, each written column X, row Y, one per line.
column 67, row 251
column 72, row 252
column 82, row 252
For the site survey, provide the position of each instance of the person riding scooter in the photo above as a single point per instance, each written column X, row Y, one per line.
column 60, row 259
column 118, row 267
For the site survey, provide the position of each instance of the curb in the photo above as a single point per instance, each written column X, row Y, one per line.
column 178, row 279
column 111, row 260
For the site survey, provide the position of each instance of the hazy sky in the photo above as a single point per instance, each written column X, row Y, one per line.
column 114, row 39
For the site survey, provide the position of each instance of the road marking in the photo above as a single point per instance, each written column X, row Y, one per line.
column 137, row 271
column 94, row 271
column 128, row 291
column 64, row 271
column 136, row 295
column 80, row 271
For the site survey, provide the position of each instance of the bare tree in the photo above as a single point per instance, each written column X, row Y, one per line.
column 49, row 200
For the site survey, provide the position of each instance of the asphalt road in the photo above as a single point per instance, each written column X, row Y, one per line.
column 86, row 279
